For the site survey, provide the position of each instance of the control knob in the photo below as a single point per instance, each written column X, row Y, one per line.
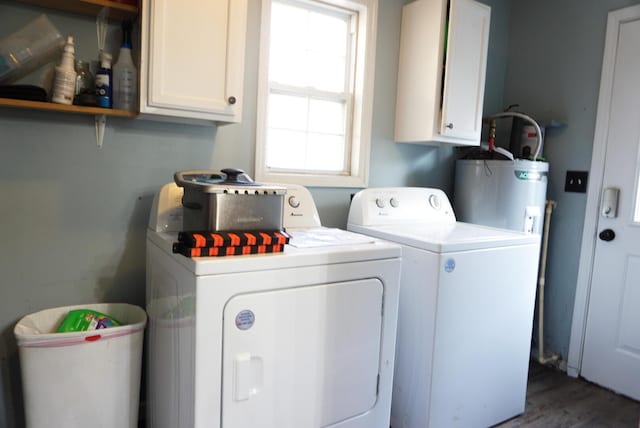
column 434, row 201
column 293, row 202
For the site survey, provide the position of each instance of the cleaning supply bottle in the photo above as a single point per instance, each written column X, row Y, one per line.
column 125, row 76
column 103, row 81
column 64, row 84
column 85, row 320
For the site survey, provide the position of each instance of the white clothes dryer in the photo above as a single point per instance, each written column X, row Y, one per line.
column 466, row 309
column 303, row 338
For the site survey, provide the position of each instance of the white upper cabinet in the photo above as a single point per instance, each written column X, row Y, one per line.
column 192, row 60
column 441, row 76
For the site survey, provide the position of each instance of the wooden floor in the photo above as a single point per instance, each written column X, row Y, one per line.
column 555, row 400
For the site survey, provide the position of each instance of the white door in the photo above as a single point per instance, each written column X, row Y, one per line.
column 611, row 355
column 302, row 357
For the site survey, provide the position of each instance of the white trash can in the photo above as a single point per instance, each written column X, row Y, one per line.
column 87, row 378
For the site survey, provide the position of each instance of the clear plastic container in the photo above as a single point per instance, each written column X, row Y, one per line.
column 35, row 44
column 84, row 78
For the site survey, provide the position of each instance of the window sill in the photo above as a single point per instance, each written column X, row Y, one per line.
column 311, row 180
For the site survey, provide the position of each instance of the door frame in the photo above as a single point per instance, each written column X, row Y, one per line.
column 589, row 233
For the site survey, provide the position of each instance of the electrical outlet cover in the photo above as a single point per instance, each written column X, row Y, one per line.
column 576, row 181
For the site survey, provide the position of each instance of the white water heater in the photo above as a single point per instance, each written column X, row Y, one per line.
column 509, row 194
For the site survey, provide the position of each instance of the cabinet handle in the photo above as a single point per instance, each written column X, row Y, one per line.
column 450, row 126
column 232, row 100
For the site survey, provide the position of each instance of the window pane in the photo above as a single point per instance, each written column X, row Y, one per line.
column 320, row 149
column 327, row 117
column 288, row 24
column 328, row 38
column 326, row 72
column 326, row 153
column 328, row 33
column 288, row 69
column 308, row 48
column 286, row 149
column 288, row 112
column 305, row 133
column 287, row 51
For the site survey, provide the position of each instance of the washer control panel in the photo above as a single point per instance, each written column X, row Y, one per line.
column 392, row 205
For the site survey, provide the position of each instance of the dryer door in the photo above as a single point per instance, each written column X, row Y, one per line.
column 315, row 347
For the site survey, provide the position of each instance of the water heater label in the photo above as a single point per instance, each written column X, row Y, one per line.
column 245, row 319
column 449, row 265
column 530, row 175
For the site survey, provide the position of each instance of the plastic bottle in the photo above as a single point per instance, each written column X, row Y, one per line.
column 125, row 75
column 86, row 319
column 64, row 84
column 103, row 81
column 84, row 79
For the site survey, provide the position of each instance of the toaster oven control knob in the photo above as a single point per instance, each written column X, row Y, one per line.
column 380, row 203
column 394, row 202
column 293, row 202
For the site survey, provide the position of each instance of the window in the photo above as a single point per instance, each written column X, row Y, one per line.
column 315, row 92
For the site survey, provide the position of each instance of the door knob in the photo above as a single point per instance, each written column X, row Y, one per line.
column 450, row 125
column 607, row 235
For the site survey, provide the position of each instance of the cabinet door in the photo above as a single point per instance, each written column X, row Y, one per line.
column 195, row 54
column 466, row 61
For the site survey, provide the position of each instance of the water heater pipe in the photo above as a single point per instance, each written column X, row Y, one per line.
column 543, row 267
column 528, row 119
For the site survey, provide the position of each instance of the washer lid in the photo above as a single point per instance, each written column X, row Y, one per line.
column 446, row 237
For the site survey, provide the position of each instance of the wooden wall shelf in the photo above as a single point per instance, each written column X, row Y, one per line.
column 93, row 8
column 117, row 10
column 38, row 105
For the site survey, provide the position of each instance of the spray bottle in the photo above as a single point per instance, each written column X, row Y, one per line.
column 125, row 76
column 64, row 85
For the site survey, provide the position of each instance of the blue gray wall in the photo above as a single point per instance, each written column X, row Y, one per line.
column 554, row 64
column 73, row 218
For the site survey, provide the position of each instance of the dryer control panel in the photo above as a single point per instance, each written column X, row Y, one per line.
column 299, row 208
column 393, row 205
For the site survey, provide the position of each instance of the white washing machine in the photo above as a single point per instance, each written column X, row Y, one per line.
column 466, row 309
column 303, row 338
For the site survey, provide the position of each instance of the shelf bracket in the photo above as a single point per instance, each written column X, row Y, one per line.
column 101, row 122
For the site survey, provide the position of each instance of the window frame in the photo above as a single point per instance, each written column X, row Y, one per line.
column 359, row 119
